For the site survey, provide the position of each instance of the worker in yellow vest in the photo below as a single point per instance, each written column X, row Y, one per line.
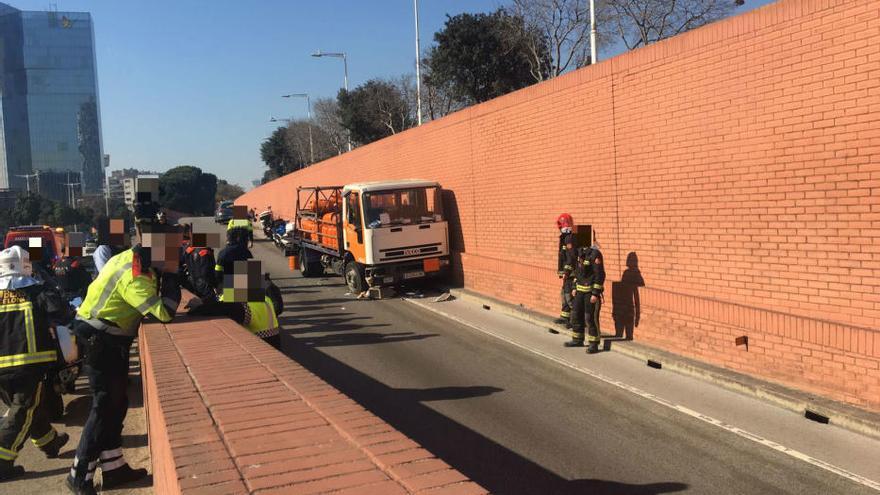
column 240, row 221
column 256, row 309
column 137, row 282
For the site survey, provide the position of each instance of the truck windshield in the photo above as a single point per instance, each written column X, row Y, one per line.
column 403, row 206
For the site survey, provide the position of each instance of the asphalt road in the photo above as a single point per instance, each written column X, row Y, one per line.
column 511, row 420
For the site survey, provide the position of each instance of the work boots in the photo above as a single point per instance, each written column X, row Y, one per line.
column 81, row 486
column 8, row 470
column 122, row 475
column 593, row 348
column 574, row 343
column 81, row 481
column 52, row 448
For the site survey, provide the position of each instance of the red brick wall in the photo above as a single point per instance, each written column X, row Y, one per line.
column 740, row 162
column 228, row 414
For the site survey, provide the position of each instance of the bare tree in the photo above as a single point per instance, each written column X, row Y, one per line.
column 439, row 98
column 642, row 22
column 564, row 26
column 327, row 119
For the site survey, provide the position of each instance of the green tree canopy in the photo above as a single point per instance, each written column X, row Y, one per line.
column 482, row 56
column 374, row 110
column 187, row 189
column 225, row 191
column 32, row 209
column 278, row 154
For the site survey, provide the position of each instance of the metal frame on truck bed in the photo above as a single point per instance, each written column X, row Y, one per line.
column 372, row 233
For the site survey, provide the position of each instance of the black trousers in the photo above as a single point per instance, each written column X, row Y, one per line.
column 586, row 315
column 23, row 394
column 107, row 366
column 567, row 298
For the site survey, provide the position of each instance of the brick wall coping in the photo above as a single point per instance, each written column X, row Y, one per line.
column 228, row 414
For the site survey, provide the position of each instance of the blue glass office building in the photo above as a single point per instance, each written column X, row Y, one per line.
column 49, row 112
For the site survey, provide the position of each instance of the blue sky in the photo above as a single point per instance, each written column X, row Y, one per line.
column 195, row 82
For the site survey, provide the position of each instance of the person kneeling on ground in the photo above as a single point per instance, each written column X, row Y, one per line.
column 250, row 301
column 27, row 353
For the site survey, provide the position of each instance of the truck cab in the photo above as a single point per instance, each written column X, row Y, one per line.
column 374, row 233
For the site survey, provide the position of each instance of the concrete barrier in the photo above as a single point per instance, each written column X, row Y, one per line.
column 228, row 414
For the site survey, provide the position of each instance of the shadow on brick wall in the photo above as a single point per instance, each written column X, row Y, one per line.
column 456, row 237
column 626, row 307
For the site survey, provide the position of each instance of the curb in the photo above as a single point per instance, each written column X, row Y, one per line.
column 837, row 413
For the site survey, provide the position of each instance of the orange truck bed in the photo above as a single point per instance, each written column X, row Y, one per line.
column 319, row 222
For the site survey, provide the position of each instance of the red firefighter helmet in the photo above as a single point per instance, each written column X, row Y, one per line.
column 564, row 220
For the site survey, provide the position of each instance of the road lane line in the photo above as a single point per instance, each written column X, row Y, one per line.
column 659, row 400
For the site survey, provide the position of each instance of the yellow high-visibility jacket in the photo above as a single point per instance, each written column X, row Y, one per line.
column 261, row 318
column 240, row 223
column 119, row 299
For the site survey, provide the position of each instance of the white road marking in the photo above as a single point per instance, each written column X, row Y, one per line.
column 659, row 400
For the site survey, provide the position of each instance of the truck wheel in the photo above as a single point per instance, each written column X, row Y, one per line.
column 309, row 268
column 354, row 277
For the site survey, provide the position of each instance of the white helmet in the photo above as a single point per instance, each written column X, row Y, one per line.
column 15, row 261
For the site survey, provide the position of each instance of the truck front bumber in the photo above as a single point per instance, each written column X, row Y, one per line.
column 404, row 271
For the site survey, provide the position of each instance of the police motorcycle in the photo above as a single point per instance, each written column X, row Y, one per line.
column 265, row 219
column 279, row 233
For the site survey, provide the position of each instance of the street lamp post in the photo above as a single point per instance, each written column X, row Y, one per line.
column 27, row 178
column 592, row 32
column 418, row 65
column 341, row 55
column 309, row 105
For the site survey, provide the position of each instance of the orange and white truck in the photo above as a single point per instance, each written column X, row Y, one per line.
column 372, row 233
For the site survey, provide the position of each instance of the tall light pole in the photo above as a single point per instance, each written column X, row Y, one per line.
column 71, row 192
column 27, row 178
column 593, row 32
column 319, row 54
column 309, row 105
column 418, row 66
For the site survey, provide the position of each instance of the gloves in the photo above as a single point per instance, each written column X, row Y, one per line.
column 169, row 290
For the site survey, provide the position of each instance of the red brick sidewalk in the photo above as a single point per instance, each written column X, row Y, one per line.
column 228, row 414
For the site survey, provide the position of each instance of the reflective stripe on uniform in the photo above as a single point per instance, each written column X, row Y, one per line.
column 108, row 290
column 143, row 308
column 7, row 455
column 45, row 439
column 565, row 314
column 115, row 464
column 218, row 268
column 29, row 417
column 23, row 359
column 598, row 286
column 583, row 288
column 28, row 309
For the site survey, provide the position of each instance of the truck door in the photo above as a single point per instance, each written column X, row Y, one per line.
column 354, row 227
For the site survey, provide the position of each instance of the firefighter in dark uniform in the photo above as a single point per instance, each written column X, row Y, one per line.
column 589, row 285
column 236, row 250
column 200, row 273
column 27, row 352
column 566, row 259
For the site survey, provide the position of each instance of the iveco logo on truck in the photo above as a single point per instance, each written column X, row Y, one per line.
column 373, row 233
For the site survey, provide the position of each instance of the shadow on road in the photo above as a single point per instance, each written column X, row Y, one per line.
column 498, row 469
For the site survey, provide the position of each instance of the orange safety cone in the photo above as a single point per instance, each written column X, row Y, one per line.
column 292, row 262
